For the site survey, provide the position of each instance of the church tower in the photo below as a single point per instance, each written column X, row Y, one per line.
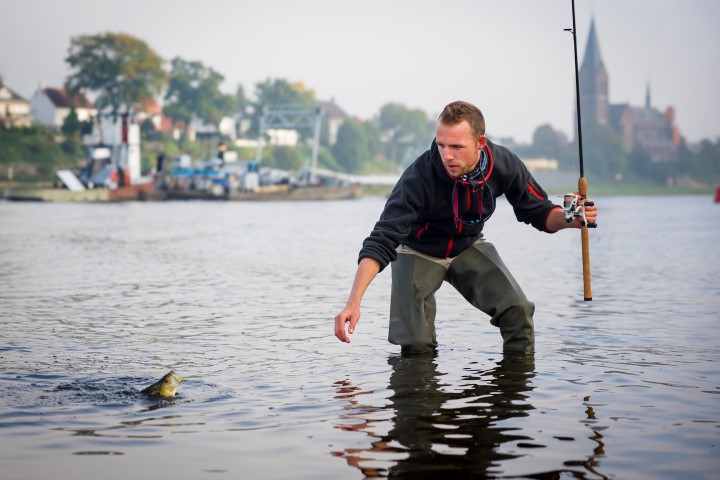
column 594, row 100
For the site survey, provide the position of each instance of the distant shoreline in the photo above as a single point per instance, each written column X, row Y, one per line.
column 593, row 190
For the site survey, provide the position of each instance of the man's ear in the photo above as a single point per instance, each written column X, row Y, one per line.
column 482, row 141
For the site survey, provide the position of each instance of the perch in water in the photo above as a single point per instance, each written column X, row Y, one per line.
column 165, row 387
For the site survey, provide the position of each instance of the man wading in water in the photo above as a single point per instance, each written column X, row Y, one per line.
column 431, row 231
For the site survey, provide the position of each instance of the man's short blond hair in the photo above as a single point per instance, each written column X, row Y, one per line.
column 456, row 112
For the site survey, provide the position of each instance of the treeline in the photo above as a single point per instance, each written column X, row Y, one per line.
column 36, row 153
column 605, row 158
column 119, row 69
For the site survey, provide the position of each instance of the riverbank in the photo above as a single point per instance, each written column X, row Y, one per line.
column 629, row 189
column 384, row 190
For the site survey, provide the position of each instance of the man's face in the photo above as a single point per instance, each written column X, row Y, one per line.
column 459, row 149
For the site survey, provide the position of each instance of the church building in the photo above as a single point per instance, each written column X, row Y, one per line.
column 645, row 127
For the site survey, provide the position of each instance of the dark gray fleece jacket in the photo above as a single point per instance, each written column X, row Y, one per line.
column 441, row 216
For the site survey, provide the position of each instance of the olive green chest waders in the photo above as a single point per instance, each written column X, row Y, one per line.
column 480, row 276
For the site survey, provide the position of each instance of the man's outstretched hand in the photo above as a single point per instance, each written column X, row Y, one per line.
column 350, row 315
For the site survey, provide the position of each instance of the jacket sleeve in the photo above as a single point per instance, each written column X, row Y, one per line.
column 401, row 210
column 528, row 199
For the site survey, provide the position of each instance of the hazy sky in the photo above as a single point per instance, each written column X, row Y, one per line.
column 511, row 57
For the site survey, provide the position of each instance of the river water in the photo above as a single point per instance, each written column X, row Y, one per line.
column 98, row 301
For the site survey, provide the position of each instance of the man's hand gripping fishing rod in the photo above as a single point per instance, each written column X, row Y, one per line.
column 575, row 209
column 582, row 182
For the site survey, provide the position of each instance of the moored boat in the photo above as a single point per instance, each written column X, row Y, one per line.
column 111, row 173
column 218, row 185
column 248, row 181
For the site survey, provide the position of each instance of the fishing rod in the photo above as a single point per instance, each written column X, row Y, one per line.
column 570, row 205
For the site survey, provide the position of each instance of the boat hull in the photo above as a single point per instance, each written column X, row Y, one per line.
column 123, row 194
column 275, row 193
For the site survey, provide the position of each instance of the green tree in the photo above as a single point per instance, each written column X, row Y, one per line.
column 704, row 163
column 283, row 157
column 194, row 90
column 118, row 67
column 640, row 165
column 351, row 147
column 71, row 125
column 271, row 93
column 71, row 129
column 603, row 151
column 553, row 144
column 403, row 127
column 326, row 159
column 374, row 141
column 241, row 101
column 35, row 153
column 546, row 141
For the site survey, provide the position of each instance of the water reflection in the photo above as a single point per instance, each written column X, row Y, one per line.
column 438, row 429
column 455, row 429
column 591, row 421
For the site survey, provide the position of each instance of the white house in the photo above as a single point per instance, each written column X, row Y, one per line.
column 50, row 106
column 334, row 118
column 228, row 127
column 14, row 110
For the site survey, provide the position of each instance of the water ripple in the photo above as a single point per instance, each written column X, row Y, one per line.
column 622, row 387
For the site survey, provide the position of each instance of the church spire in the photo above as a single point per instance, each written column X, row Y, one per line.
column 592, row 59
column 647, row 95
column 594, row 98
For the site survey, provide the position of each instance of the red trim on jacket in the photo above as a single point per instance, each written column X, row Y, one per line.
column 468, row 191
column 450, row 246
column 422, row 230
column 534, row 192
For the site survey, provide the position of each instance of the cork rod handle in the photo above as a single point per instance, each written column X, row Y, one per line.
column 585, row 238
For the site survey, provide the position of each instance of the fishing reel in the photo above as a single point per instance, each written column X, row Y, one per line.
column 574, row 210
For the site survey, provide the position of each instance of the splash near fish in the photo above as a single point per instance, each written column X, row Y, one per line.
column 165, row 387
